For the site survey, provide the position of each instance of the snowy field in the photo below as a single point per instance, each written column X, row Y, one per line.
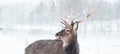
column 14, row 41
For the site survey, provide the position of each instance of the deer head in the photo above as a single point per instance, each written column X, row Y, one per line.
column 69, row 33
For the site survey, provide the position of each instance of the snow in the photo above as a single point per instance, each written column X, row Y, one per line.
column 9, row 45
column 15, row 41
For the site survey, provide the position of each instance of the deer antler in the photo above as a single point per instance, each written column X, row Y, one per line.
column 72, row 11
column 66, row 17
column 64, row 22
column 87, row 15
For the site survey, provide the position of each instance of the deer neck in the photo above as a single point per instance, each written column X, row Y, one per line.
column 72, row 46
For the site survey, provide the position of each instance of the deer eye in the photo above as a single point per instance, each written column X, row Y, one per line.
column 67, row 30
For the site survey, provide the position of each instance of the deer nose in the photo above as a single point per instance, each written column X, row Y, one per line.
column 57, row 34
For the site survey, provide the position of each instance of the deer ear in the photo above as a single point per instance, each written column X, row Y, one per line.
column 75, row 27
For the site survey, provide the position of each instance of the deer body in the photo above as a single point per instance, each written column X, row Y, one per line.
column 51, row 47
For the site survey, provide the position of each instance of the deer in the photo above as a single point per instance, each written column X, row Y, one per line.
column 65, row 43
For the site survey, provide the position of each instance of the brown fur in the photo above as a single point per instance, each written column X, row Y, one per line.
column 45, row 47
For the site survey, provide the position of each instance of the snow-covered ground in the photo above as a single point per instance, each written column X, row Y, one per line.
column 14, row 41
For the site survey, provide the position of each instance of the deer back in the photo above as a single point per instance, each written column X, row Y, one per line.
column 45, row 47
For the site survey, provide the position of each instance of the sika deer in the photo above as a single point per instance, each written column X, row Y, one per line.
column 66, row 42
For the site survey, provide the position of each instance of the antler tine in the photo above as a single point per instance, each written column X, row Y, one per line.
column 91, row 12
column 64, row 22
column 87, row 15
column 65, row 16
column 72, row 12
